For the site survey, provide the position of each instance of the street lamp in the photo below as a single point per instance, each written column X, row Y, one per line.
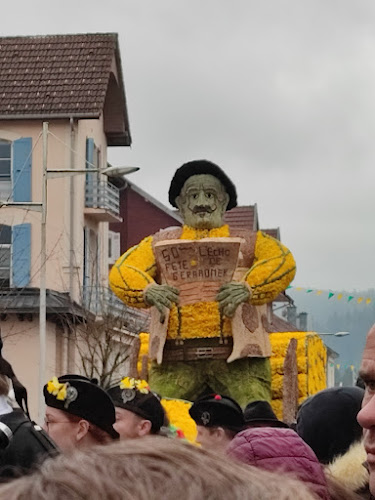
column 337, row 334
column 112, row 171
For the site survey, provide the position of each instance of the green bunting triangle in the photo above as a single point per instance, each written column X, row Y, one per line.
column 331, row 294
column 351, row 297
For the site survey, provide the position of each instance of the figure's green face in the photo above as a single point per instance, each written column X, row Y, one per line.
column 203, row 202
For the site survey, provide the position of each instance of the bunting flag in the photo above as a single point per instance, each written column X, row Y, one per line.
column 360, row 299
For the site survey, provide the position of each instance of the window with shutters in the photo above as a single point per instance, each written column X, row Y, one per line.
column 15, row 169
column 5, row 169
column 5, row 256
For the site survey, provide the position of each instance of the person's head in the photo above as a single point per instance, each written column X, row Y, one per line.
column 202, row 192
column 78, row 412
column 260, row 414
column 153, row 467
column 328, row 423
column 138, row 410
column 219, row 419
column 280, row 450
column 366, row 417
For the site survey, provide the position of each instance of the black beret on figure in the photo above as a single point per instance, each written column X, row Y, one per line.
column 200, row 167
column 217, row 411
column 144, row 404
column 260, row 412
column 80, row 397
column 327, row 421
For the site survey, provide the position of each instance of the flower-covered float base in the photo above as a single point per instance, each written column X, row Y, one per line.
column 177, row 411
column 311, row 364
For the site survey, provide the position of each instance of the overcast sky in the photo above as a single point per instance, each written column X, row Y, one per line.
column 279, row 93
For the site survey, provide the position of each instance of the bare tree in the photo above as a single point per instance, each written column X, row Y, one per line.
column 108, row 343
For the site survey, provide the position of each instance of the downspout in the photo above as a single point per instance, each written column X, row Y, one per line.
column 71, row 212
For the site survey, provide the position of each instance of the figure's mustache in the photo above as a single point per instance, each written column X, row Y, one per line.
column 202, row 208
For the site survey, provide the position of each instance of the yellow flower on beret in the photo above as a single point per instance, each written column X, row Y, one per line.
column 132, row 383
column 142, row 386
column 57, row 389
column 127, row 383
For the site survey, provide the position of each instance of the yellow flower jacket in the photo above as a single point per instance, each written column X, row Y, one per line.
column 265, row 265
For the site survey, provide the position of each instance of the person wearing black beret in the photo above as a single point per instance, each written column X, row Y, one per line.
column 208, row 285
column 79, row 413
column 219, row 419
column 139, row 411
column 260, row 414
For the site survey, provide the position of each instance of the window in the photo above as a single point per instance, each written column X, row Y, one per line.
column 113, row 247
column 5, row 169
column 5, row 256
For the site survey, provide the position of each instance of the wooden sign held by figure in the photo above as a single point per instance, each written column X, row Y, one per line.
column 197, row 268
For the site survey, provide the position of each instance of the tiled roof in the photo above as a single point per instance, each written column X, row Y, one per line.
column 245, row 217
column 275, row 233
column 26, row 300
column 56, row 74
column 280, row 325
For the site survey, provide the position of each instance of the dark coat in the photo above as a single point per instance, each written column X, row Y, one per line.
column 29, row 446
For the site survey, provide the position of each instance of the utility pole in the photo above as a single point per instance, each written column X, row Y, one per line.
column 42, row 296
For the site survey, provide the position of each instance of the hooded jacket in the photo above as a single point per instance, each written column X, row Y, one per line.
column 280, row 450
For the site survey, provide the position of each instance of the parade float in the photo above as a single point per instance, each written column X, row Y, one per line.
column 309, row 376
column 209, row 288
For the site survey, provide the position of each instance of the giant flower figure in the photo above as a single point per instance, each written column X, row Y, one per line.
column 207, row 286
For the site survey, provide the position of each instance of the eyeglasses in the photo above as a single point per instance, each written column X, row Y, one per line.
column 47, row 423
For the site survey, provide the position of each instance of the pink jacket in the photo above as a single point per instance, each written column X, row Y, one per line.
column 278, row 449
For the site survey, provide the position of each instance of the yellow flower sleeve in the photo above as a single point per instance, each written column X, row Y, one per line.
column 132, row 272
column 273, row 269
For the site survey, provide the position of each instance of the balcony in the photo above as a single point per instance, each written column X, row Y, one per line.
column 102, row 301
column 102, row 201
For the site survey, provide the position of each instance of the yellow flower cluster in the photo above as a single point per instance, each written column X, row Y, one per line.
column 134, row 383
column 132, row 272
column 143, row 350
column 57, row 389
column 177, row 411
column 198, row 320
column 273, row 270
column 311, row 364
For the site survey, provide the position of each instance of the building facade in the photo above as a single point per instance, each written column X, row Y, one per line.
column 75, row 83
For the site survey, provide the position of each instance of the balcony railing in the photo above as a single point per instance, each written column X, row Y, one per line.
column 100, row 300
column 102, row 195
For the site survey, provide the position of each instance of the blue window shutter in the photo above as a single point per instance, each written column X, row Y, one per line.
column 22, row 169
column 21, row 255
column 89, row 177
column 89, row 152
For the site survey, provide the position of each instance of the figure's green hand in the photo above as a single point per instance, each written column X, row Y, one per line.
column 161, row 296
column 231, row 295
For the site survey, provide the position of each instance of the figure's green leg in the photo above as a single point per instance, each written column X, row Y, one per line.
column 245, row 380
column 180, row 380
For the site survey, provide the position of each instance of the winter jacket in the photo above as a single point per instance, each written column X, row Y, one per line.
column 280, row 450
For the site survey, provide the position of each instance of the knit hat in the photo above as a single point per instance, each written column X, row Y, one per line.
column 217, row 411
column 81, row 397
column 328, row 421
column 260, row 412
column 200, row 167
column 136, row 396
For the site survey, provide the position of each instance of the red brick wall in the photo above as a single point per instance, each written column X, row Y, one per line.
column 140, row 219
